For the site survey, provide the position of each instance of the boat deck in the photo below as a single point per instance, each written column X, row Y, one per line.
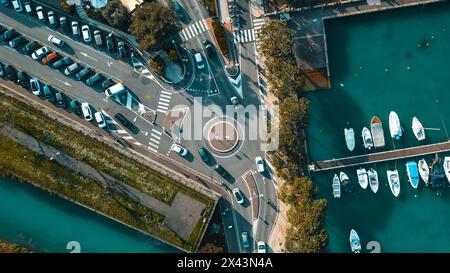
column 380, row 156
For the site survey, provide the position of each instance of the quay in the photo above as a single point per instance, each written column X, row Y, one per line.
column 379, row 157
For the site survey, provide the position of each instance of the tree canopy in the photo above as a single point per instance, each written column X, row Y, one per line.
column 116, row 15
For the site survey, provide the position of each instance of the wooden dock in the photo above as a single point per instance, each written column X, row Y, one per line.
column 380, row 156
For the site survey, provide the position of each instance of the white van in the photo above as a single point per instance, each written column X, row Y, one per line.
column 199, row 60
column 75, row 29
column 40, row 13
column 115, row 89
column 17, row 5
column 100, row 119
column 86, row 109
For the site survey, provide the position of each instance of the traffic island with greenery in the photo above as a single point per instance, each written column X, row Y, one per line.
column 6, row 247
column 100, row 156
column 211, row 6
column 221, row 36
column 157, row 65
column 306, row 214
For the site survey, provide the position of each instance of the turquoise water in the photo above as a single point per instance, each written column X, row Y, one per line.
column 388, row 61
column 46, row 223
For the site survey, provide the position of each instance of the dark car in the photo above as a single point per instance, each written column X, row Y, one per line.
column 63, row 62
column 30, row 46
column 83, row 73
column 180, row 12
column 126, row 123
column 22, row 78
column 48, row 94
column 94, row 79
column 8, row 35
column 210, row 50
column 75, row 107
column 17, row 41
column 121, row 49
column 5, row 3
column 2, row 71
column 110, row 43
column 221, row 171
column 63, row 24
column 107, row 83
column 204, row 155
column 61, row 100
column 10, row 73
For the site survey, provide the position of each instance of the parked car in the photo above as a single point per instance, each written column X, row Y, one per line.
column 39, row 53
column 244, row 237
column 100, row 118
column 2, row 71
column 83, row 74
column 110, row 43
column 179, row 150
column 126, row 123
column 4, row 3
column 86, row 32
column 209, row 47
column 121, row 49
column 30, row 46
column 22, row 78
column 51, row 18
column 17, row 5
column 63, row 62
column 98, row 37
column 48, row 94
column 28, row 8
column 219, row 169
column 261, row 246
column 48, row 59
column 199, row 61
column 10, row 73
column 86, row 110
column 94, row 79
column 107, row 83
column 115, row 89
column 75, row 107
column 238, row 196
column 204, row 155
column 35, row 87
column 8, row 35
column 61, row 100
column 40, row 13
column 63, row 23
column 72, row 69
column 259, row 164
column 55, row 41
column 17, row 41
column 75, row 29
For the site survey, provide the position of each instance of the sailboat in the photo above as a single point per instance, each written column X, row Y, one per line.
column 355, row 243
column 394, row 126
column 447, row 167
column 350, row 138
column 367, row 138
column 336, row 187
column 424, row 171
column 373, row 180
column 413, row 173
column 394, row 182
column 377, row 132
column 362, row 178
column 418, row 130
column 345, row 182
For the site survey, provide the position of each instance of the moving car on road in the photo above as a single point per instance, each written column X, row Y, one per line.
column 35, row 87
column 209, row 47
column 100, row 118
column 55, row 41
column 86, row 32
column 179, row 150
column 86, row 109
column 238, row 196
column 259, row 164
column 41, row 52
column 204, row 155
column 199, row 61
column 261, row 246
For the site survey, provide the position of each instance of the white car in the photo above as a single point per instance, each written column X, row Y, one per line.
column 237, row 194
column 35, row 87
column 261, row 246
column 55, row 41
column 199, row 61
column 17, row 5
column 179, row 150
column 259, row 164
column 100, row 118
column 86, row 33
column 41, row 52
column 86, row 109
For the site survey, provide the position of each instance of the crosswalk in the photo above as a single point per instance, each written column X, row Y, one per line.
column 258, row 24
column 164, row 101
column 155, row 138
column 193, row 30
column 244, row 36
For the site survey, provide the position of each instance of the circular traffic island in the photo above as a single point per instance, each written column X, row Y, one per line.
column 223, row 136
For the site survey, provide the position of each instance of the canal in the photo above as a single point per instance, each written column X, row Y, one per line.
column 388, row 61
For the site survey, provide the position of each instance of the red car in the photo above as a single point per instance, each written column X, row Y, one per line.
column 50, row 58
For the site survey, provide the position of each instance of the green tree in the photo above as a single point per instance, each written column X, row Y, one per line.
column 116, row 15
column 276, row 41
column 153, row 24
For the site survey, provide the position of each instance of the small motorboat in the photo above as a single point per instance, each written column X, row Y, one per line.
column 336, row 187
column 373, row 180
column 345, row 182
column 413, row 173
column 424, row 171
column 376, row 129
column 355, row 243
column 350, row 138
column 362, row 178
column 447, row 167
column 418, row 129
column 367, row 138
column 394, row 126
column 394, row 182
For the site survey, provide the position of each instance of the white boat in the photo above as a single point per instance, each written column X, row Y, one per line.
column 447, row 167
column 418, row 130
column 367, row 138
column 336, row 187
column 394, row 182
column 350, row 138
column 355, row 243
column 373, row 179
column 376, row 128
column 362, row 178
column 345, row 182
column 413, row 173
column 394, row 126
column 424, row 171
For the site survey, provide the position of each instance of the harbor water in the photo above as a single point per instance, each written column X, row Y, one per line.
column 398, row 61
column 45, row 223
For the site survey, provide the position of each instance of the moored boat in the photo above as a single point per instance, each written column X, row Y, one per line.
column 367, row 138
column 345, row 182
column 373, row 180
column 362, row 178
column 355, row 243
column 437, row 175
column 394, row 182
column 418, row 129
column 424, row 171
column 376, row 129
column 413, row 173
column 349, row 138
column 447, row 167
column 394, row 126
column 336, row 187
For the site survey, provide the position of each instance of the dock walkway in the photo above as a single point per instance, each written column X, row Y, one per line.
column 380, row 156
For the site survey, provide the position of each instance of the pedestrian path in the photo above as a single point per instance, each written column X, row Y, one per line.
column 164, row 101
column 193, row 30
column 155, row 139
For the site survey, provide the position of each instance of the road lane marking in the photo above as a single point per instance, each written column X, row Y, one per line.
column 153, row 145
column 156, row 136
column 156, row 131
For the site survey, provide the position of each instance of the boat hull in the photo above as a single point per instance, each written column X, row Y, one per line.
column 418, row 129
column 349, row 138
column 336, row 187
column 355, row 243
column 362, row 178
column 394, row 182
column 413, row 173
column 447, row 167
column 373, row 180
column 394, row 125
column 376, row 129
column 424, row 171
column 367, row 138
